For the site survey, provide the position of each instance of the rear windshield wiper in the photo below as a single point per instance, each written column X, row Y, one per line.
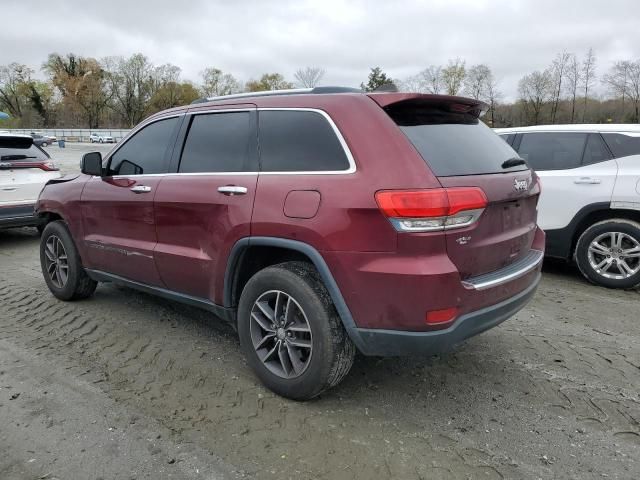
column 513, row 162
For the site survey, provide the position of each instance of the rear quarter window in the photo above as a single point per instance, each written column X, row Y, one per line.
column 622, row 145
column 552, row 150
column 452, row 143
column 299, row 141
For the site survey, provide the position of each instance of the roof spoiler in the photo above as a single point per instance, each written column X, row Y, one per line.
column 449, row 103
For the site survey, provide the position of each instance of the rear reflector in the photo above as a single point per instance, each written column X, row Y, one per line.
column 435, row 209
column 440, row 317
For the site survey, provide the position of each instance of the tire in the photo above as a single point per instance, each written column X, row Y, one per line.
column 43, row 144
column 77, row 283
column 611, row 237
column 331, row 354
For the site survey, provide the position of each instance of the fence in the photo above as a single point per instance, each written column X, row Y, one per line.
column 75, row 134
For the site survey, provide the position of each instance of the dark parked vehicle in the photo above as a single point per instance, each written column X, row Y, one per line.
column 318, row 222
column 42, row 140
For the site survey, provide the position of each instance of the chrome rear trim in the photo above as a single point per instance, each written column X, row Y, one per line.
column 498, row 277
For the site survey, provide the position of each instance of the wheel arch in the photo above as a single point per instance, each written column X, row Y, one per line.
column 561, row 243
column 240, row 268
column 48, row 216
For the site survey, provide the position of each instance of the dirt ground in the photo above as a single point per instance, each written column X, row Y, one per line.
column 126, row 385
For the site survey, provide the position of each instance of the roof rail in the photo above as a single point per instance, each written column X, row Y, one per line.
column 290, row 91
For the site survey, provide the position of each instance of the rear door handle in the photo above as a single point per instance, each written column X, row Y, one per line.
column 140, row 189
column 587, row 181
column 232, row 190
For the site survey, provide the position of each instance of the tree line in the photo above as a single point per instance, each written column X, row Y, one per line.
column 120, row 91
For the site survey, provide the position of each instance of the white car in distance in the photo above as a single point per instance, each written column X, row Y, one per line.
column 100, row 138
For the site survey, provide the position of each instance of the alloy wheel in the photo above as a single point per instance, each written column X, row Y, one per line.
column 56, row 261
column 615, row 255
column 281, row 334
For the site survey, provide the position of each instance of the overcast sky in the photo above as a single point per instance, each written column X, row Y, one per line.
column 247, row 38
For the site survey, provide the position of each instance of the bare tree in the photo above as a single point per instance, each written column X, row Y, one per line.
column 493, row 96
column 558, row 71
column 453, row 76
column 633, row 90
column 535, row 90
column 414, row 84
column 588, row 77
column 432, row 78
column 216, row 83
column 309, row 77
column 617, row 80
column 476, row 81
column 129, row 86
column 574, row 79
column 623, row 81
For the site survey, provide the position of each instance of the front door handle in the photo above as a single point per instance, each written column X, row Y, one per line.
column 587, row 181
column 232, row 190
column 140, row 189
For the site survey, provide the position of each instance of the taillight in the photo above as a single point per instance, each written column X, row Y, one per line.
column 49, row 167
column 432, row 210
column 46, row 166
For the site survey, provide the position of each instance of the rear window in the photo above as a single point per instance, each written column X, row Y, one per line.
column 453, row 143
column 622, row 145
column 15, row 150
column 299, row 141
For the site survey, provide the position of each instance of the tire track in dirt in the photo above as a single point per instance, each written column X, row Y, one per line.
column 490, row 410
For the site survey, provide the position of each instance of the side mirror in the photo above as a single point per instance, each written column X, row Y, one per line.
column 91, row 164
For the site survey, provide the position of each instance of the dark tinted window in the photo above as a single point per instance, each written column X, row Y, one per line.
column 11, row 151
column 146, row 151
column 595, row 151
column 217, row 143
column 299, row 141
column 507, row 137
column 622, row 145
column 552, row 151
column 453, row 143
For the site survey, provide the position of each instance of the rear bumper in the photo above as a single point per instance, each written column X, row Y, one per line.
column 379, row 342
column 18, row 216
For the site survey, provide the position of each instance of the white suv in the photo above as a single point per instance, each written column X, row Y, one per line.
column 24, row 170
column 100, row 138
column 590, row 202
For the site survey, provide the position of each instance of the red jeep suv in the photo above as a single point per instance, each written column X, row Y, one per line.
column 318, row 222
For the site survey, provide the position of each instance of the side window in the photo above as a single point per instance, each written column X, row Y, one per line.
column 622, row 145
column 595, row 151
column 146, row 151
column 217, row 142
column 552, row 151
column 299, row 141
